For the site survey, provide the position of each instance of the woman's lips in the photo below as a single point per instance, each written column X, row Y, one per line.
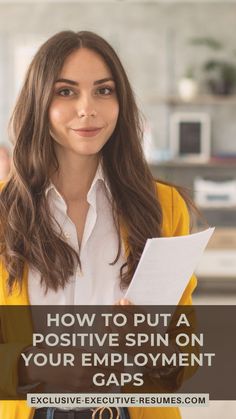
column 87, row 132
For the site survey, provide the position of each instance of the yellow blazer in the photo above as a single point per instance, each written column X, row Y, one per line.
column 175, row 223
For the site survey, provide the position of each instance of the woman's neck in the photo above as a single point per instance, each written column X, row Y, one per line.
column 74, row 177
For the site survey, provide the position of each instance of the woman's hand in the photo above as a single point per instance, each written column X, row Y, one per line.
column 123, row 302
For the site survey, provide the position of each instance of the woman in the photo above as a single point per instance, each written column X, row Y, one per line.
column 81, row 201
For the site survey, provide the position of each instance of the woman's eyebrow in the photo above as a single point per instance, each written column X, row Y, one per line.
column 72, row 82
column 103, row 80
column 75, row 83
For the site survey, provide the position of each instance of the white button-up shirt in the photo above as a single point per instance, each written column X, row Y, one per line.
column 98, row 283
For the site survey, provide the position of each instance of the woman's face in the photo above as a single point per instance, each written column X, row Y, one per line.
column 84, row 109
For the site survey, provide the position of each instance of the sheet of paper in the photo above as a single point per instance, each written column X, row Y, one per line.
column 165, row 267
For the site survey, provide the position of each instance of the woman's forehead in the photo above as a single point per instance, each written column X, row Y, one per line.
column 85, row 64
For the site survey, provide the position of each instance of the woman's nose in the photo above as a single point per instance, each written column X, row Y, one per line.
column 86, row 107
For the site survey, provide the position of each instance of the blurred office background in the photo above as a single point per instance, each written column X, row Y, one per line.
column 181, row 59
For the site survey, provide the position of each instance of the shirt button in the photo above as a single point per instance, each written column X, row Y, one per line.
column 67, row 235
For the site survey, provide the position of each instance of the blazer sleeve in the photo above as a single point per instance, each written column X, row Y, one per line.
column 14, row 338
column 180, row 227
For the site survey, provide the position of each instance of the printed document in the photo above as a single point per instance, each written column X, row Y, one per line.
column 165, row 267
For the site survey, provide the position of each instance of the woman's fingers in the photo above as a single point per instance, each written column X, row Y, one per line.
column 124, row 302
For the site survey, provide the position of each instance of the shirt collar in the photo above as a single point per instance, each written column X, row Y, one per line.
column 99, row 176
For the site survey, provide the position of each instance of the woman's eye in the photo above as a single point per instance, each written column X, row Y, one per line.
column 105, row 91
column 65, row 92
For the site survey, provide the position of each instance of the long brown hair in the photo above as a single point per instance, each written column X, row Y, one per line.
column 27, row 235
